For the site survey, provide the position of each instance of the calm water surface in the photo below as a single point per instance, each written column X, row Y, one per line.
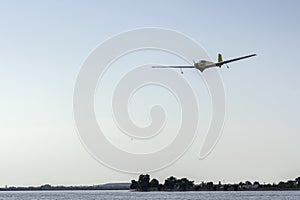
column 89, row 195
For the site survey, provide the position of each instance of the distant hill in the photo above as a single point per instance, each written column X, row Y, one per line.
column 114, row 186
column 107, row 186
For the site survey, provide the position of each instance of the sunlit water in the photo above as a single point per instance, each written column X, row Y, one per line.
column 89, row 195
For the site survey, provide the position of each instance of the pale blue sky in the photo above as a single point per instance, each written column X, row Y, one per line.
column 43, row 44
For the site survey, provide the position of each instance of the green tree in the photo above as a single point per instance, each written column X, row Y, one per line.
column 235, row 187
column 256, row 183
column 160, row 187
column 197, row 187
column 209, row 185
column 290, row 184
column 143, row 182
column 281, row 184
column 134, row 184
column 298, row 181
column 184, row 184
column 248, row 183
column 154, row 183
column 170, row 183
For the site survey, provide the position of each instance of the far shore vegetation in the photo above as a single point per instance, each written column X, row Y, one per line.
column 183, row 184
column 145, row 183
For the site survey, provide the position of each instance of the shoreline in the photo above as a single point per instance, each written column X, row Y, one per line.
column 17, row 189
column 72, row 190
column 171, row 184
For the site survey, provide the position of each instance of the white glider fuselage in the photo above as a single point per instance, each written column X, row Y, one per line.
column 201, row 65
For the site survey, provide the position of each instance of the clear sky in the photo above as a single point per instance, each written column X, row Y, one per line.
column 42, row 47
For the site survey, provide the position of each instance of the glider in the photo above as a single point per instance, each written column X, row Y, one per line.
column 204, row 64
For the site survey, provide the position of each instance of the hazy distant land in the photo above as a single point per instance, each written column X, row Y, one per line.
column 48, row 187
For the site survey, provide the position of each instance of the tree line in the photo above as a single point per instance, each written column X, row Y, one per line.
column 144, row 183
column 170, row 184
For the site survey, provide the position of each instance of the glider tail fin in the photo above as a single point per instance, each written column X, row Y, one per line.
column 220, row 57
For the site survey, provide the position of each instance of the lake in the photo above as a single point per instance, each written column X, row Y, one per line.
column 103, row 194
